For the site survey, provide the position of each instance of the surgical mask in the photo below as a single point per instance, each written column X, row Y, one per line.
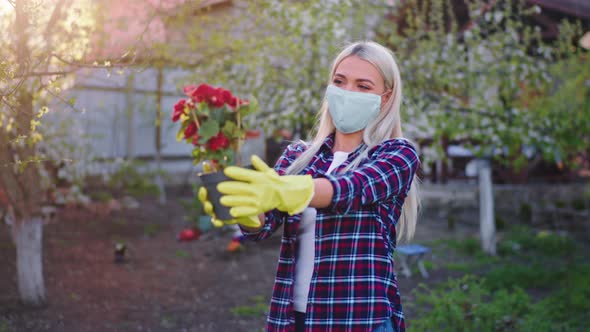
column 352, row 111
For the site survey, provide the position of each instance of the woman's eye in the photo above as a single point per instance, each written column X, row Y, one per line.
column 364, row 87
column 337, row 82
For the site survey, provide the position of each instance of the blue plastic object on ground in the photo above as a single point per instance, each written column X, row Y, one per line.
column 412, row 252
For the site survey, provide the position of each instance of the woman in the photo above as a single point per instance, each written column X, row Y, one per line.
column 339, row 199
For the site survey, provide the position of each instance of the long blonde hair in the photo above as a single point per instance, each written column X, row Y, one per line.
column 386, row 126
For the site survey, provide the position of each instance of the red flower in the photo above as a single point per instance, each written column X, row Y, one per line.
column 190, row 130
column 191, row 104
column 226, row 94
column 189, row 234
column 188, row 89
column 229, row 99
column 214, row 163
column 215, row 99
column 218, row 142
column 178, row 110
column 205, row 103
column 252, row 133
column 233, row 103
column 202, row 93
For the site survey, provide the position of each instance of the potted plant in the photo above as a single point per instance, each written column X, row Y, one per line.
column 211, row 120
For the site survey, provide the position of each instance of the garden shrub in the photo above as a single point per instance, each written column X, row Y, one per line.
column 526, row 212
column 258, row 307
column 461, row 267
column 536, row 275
column 500, row 223
column 579, row 204
column 131, row 181
column 100, row 196
column 577, row 288
column 508, row 248
column 541, row 243
column 567, row 309
column 193, row 208
column 552, row 244
column 469, row 246
column 542, row 262
column 151, row 229
column 467, row 305
column 451, row 222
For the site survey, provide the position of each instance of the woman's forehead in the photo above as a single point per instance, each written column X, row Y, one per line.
column 353, row 67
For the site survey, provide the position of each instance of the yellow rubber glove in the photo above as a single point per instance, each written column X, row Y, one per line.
column 251, row 221
column 261, row 190
column 248, row 221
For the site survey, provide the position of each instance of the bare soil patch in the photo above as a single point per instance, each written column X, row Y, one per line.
column 165, row 285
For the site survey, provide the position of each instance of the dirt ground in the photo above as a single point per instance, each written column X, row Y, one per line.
column 165, row 285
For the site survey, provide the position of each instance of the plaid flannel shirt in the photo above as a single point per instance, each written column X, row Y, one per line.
column 354, row 286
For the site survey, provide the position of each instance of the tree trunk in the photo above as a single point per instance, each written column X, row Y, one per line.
column 486, row 208
column 130, row 139
column 20, row 177
column 158, row 180
column 24, row 196
column 28, row 238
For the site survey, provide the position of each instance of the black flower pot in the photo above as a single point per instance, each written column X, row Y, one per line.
column 210, row 181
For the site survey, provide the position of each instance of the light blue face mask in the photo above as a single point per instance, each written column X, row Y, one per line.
column 352, row 111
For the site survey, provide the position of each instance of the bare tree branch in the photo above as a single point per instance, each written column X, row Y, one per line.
column 42, row 74
column 63, row 100
column 9, row 105
column 88, row 65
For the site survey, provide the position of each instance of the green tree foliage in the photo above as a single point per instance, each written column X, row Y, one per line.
column 481, row 81
column 46, row 42
column 563, row 109
column 281, row 51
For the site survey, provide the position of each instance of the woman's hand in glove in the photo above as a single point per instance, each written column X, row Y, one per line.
column 261, row 190
column 247, row 221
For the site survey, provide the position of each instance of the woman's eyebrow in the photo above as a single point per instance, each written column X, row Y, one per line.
column 365, row 80
column 358, row 80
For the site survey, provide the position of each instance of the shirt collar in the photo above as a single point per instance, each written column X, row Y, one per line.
column 329, row 144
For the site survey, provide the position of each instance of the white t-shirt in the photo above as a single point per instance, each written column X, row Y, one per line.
column 306, row 248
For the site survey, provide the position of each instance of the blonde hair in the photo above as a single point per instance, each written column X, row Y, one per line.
column 386, row 126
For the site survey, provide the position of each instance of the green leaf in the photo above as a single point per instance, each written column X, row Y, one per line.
column 197, row 155
column 208, row 129
column 229, row 129
column 217, row 114
column 252, row 107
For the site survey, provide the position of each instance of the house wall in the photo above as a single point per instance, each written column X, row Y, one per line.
column 116, row 112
